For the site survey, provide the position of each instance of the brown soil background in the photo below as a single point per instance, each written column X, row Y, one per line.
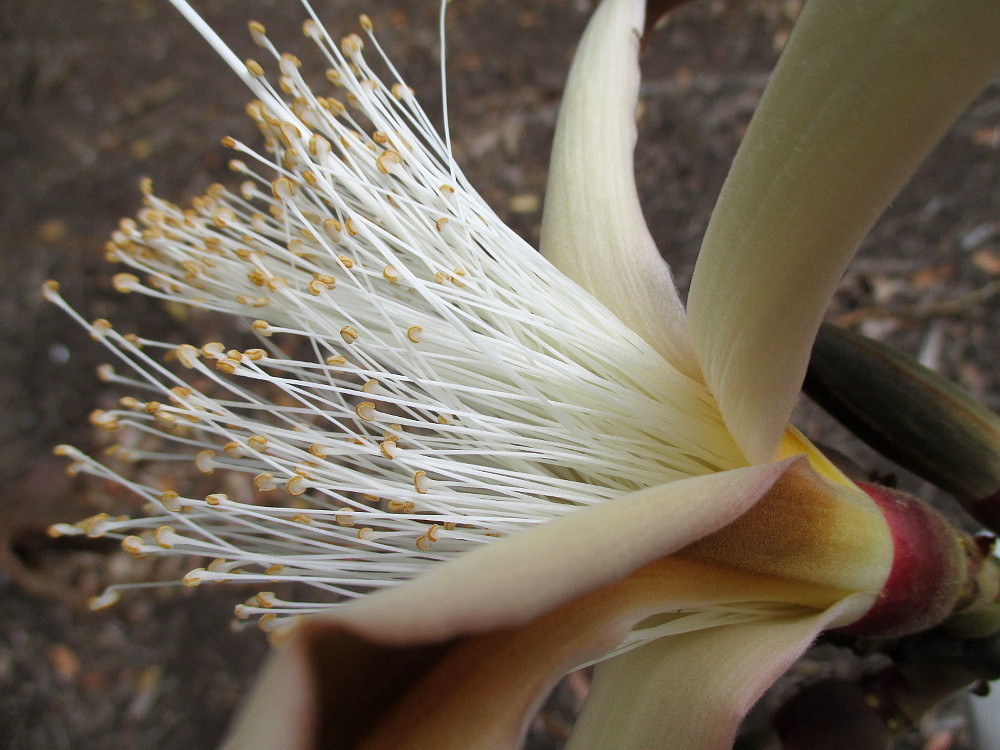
column 95, row 94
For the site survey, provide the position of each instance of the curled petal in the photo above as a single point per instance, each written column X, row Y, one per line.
column 593, row 229
column 331, row 688
column 461, row 658
column 861, row 94
column 694, row 688
column 525, row 575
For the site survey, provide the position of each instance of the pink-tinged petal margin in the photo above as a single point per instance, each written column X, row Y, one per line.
column 330, row 688
column 862, row 92
column 593, row 229
column 518, row 578
column 462, row 658
column 367, row 656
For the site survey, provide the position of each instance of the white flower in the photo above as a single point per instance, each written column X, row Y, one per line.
column 422, row 381
column 559, row 473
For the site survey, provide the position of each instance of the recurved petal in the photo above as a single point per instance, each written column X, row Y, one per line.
column 593, row 229
column 693, row 688
column 331, row 688
column 519, row 578
column 500, row 625
column 861, row 93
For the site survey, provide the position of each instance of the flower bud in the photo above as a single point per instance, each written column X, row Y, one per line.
column 911, row 415
column 936, row 571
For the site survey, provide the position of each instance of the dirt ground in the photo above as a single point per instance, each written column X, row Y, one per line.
column 95, row 94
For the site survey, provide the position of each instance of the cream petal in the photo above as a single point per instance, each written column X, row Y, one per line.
column 862, row 92
column 693, row 688
column 593, row 229
column 330, row 688
column 513, row 580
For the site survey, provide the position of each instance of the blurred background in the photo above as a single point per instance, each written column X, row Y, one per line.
column 94, row 95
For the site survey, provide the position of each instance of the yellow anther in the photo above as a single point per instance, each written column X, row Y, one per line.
column 265, row 599
column 262, row 327
column 264, row 482
column 446, row 190
column 170, row 500
column 258, row 32
column 257, row 277
column 255, row 68
column 104, row 420
column 165, row 537
column 424, row 542
column 399, row 506
column 335, row 360
column 193, row 577
column 345, row 517
column 333, row 229
column 289, row 63
column 349, row 226
column 216, row 498
column 372, row 386
column 134, row 546
column 364, row 533
column 345, row 261
column 205, row 461
column 107, row 599
column 213, row 349
column 420, row 482
column 401, row 92
column 296, row 485
column 255, row 354
column 188, row 355
column 389, row 162
column 94, row 525
column 390, row 274
column 302, row 518
column 258, row 443
column 413, row 333
column 277, row 283
column 366, row 22
column 227, row 365
column 348, row 334
column 388, row 448
column 125, row 282
column 334, row 106
column 318, row 450
column 289, row 134
column 282, row 188
column 351, row 45
column 440, row 224
column 312, row 29
column 100, row 327
column 366, row 411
